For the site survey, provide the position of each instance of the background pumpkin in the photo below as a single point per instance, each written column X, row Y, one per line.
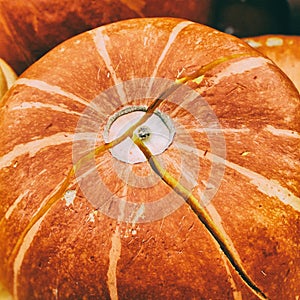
column 75, row 251
column 283, row 50
column 31, row 28
column 7, row 77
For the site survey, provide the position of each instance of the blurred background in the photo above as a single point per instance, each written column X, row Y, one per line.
column 245, row 18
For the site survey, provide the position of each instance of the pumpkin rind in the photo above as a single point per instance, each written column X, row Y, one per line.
column 74, row 250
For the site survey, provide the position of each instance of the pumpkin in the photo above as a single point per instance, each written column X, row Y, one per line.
column 283, row 50
column 31, row 28
column 7, row 77
column 151, row 158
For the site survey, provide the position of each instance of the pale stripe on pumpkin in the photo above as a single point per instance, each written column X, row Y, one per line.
column 283, row 132
column 34, row 147
column 237, row 295
column 29, row 237
column 172, row 37
column 269, row 187
column 239, row 67
column 122, row 204
column 218, row 221
column 100, row 40
column 21, row 254
column 114, row 256
column 43, row 86
column 29, row 105
column 275, row 131
column 220, row 130
column 115, row 252
column 15, row 204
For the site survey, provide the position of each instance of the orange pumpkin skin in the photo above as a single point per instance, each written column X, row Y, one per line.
column 283, row 50
column 74, row 250
column 7, row 77
column 31, row 28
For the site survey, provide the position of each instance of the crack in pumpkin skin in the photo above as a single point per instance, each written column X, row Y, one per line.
column 194, row 75
column 201, row 213
column 187, row 195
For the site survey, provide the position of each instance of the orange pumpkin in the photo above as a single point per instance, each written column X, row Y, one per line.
column 283, row 50
column 7, row 77
column 81, row 218
column 31, row 28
